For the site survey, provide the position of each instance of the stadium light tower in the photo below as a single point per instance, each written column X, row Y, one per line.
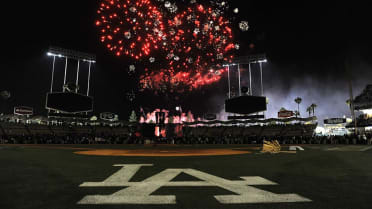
column 71, row 55
column 252, row 59
column 261, row 72
column 228, row 75
column 53, row 68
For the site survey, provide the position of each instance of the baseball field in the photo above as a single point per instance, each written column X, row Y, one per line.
column 167, row 176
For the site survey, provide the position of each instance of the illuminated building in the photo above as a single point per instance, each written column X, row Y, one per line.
column 363, row 103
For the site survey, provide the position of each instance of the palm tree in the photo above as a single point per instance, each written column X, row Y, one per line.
column 309, row 110
column 298, row 100
column 296, row 113
column 313, row 107
column 348, row 102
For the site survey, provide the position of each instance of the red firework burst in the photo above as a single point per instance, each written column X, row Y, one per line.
column 170, row 81
column 199, row 40
column 130, row 27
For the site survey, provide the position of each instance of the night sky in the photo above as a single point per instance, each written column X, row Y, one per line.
column 306, row 47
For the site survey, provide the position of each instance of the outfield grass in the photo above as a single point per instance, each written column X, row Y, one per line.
column 49, row 178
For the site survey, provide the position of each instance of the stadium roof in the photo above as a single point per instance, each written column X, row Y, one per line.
column 364, row 100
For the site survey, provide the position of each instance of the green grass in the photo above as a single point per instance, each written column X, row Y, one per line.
column 46, row 178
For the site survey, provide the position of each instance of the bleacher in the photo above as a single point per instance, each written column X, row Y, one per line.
column 269, row 130
column 102, row 130
column 252, row 131
column 361, row 122
column 293, row 131
column 39, row 129
column 273, row 130
column 82, row 130
column 10, row 129
column 61, row 130
column 120, row 131
column 285, row 130
column 215, row 131
column 18, row 129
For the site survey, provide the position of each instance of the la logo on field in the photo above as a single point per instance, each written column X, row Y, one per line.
column 140, row 192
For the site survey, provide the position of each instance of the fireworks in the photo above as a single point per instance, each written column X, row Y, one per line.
column 192, row 43
column 199, row 39
column 244, row 26
column 130, row 27
column 199, row 42
column 179, row 82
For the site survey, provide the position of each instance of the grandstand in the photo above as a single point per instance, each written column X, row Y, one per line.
column 19, row 129
column 14, row 129
column 363, row 103
column 39, row 132
column 257, row 130
column 39, row 129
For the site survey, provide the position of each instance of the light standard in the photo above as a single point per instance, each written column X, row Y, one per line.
column 71, row 55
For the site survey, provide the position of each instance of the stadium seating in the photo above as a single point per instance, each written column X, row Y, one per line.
column 269, row 130
column 14, row 129
column 62, row 134
column 61, row 130
column 120, row 131
column 82, row 130
column 39, row 129
column 252, row 131
column 102, row 130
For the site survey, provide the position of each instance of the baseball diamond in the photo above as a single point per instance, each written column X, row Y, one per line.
column 185, row 104
column 319, row 176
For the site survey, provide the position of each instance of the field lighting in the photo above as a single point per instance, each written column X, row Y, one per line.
column 251, row 59
column 71, row 55
column 50, row 54
column 368, row 113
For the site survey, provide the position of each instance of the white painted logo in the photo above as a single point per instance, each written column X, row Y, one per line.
column 140, row 192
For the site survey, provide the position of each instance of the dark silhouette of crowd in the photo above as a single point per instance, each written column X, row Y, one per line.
column 11, row 133
column 70, row 139
column 133, row 139
column 347, row 139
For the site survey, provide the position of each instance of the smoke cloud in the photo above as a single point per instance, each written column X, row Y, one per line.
column 328, row 89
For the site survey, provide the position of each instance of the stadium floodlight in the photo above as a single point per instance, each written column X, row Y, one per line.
column 51, row 54
column 259, row 58
column 262, row 61
column 230, row 64
column 90, row 61
column 259, row 61
column 71, row 55
column 247, row 60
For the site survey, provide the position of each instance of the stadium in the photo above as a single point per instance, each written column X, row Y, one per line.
column 205, row 113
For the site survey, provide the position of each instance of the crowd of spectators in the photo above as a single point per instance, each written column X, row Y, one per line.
column 70, row 139
column 291, row 134
column 347, row 139
column 133, row 139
